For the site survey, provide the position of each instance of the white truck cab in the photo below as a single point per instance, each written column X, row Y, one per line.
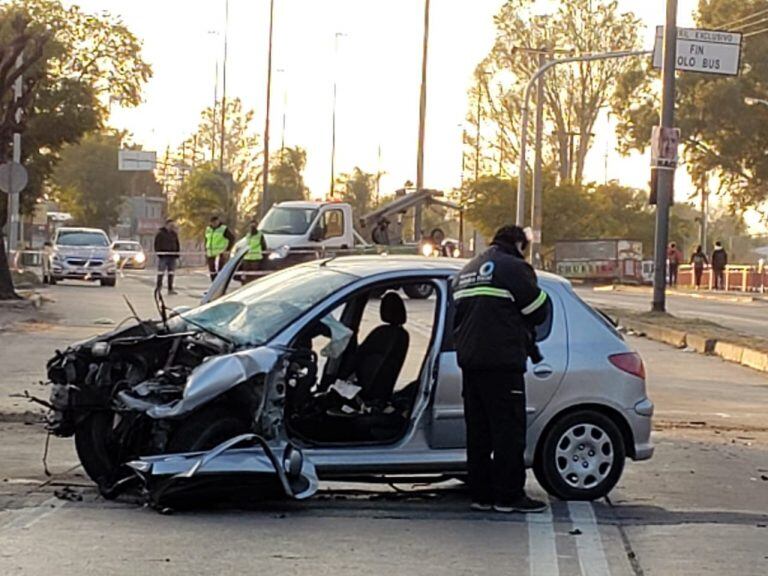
column 309, row 225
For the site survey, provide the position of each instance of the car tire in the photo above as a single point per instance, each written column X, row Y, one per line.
column 111, row 282
column 207, row 429
column 419, row 291
column 96, row 452
column 581, row 456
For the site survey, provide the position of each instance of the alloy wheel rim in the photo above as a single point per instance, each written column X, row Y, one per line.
column 584, row 456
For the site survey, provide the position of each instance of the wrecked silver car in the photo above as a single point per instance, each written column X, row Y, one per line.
column 324, row 370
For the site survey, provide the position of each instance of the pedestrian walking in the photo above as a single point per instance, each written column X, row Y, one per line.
column 218, row 242
column 698, row 260
column 674, row 259
column 719, row 262
column 167, row 250
column 254, row 259
column 498, row 306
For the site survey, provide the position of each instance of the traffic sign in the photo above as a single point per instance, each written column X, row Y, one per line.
column 706, row 51
column 136, row 160
column 13, row 177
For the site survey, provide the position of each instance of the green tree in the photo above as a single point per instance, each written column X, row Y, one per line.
column 574, row 94
column 358, row 189
column 17, row 38
column 721, row 137
column 76, row 63
column 203, row 194
column 490, row 203
column 286, row 176
column 87, row 182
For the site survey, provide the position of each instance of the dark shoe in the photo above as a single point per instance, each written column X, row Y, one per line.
column 480, row 507
column 523, row 504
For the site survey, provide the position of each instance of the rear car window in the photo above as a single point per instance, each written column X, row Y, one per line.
column 602, row 317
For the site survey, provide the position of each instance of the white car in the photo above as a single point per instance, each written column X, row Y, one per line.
column 129, row 254
column 83, row 254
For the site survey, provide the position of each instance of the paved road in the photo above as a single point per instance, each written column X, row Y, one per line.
column 700, row 506
column 747, row 317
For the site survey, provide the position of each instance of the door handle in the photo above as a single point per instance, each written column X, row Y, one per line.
column 543, row 371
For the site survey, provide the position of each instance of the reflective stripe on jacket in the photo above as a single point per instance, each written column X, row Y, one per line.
column 497, row 305
column 254, row 242
column 216, row 241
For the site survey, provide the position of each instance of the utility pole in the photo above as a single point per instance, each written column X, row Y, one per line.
column 422, row 121
column 536, row 204
column 13, row 199
column 478, row 114
column 520, row 213
column 224, row 88
column 333, row 115
column 265, row 170
column 214, row 114
column 704, row 217
column 665, row 174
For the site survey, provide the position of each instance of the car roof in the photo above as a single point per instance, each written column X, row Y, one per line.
column 301, row 204
column 77, row 229
column 381, row 264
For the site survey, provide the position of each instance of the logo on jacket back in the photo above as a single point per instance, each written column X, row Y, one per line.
column 486, row 271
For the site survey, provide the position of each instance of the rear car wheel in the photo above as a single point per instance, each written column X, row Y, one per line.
column 418, row 291
column 108, row 282
column 581, row 456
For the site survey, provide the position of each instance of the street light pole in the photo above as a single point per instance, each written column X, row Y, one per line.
column 13, row 198
column 666, row 174
column 265, row 170
column 422, row 122
column 536, row 204
column 520, row 212
column 333, row 115
column 224, row 87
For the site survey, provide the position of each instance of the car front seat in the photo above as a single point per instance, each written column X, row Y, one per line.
column 381, row 355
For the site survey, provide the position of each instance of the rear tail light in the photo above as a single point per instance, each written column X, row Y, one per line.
column 629, row 362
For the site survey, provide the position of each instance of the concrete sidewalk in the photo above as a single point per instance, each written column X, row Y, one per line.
column 731, row 296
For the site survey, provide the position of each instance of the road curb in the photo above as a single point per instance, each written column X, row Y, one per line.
column 719, row 297
column 701, row 343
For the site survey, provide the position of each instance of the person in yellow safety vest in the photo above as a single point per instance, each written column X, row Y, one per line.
column 218, row 242
column 253, row 259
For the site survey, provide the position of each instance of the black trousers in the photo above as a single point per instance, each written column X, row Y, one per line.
column 494, row 411
column 719, row 278
column 673, row 267
column 216, row 263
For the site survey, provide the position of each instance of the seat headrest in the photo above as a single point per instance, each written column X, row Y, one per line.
column 392, row 309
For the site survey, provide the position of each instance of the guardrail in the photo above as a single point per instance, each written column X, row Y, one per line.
column 191, row 261
column 738, row 278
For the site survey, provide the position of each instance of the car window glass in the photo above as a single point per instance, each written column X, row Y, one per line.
column 333, row 224
column 544, row 329
column 255, row 313
column 77, row 238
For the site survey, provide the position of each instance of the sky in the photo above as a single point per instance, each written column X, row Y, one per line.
column 371, row 48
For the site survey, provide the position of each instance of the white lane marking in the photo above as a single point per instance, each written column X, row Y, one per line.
column 26, row 517
column 589, row 545
column 542, row 548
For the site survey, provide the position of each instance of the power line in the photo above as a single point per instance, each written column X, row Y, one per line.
column 755, row 33
column 743, row 18
column 749, row 24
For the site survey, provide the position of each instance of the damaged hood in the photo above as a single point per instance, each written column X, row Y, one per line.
column 210, row 380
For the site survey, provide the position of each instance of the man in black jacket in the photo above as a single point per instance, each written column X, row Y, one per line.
column 167, row 250
column 719, row 262
column 498, row 304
